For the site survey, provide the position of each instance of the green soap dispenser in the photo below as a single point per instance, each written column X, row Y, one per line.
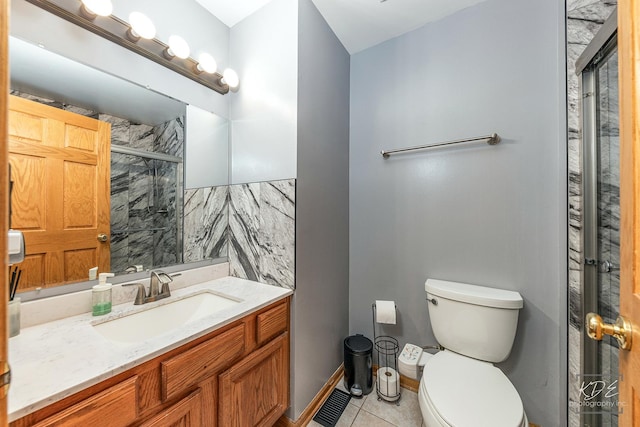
column 101, row 295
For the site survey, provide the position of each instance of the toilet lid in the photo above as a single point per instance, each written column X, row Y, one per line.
column 469, row 392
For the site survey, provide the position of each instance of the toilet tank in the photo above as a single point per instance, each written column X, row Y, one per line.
column 475, row 321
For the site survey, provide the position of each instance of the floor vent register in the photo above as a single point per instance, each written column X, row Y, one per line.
column 330, row 412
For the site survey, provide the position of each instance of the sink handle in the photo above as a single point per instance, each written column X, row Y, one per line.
column 140, row 296
column 165, row 289
column 165, row 279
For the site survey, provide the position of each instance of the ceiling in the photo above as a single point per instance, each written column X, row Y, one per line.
column 359, row 24
column 230, row 12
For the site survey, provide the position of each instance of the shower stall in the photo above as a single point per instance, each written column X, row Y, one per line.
column 146, row 209
column 598, row 67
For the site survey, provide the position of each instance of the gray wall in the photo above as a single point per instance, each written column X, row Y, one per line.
column 493, row 216
column 320, row 307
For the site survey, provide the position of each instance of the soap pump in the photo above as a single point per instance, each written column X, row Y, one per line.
column 101, row 295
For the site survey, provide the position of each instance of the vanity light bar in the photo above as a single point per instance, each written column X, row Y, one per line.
column 115, row 29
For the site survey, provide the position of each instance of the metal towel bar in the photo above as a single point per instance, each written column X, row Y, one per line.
column 492, row 139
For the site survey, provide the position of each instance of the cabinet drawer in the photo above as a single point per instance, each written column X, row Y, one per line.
column 115, row 406
column 194, row 365
column 271, row 323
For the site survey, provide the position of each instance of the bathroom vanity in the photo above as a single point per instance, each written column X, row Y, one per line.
column 230, row 368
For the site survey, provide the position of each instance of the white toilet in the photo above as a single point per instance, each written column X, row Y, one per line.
column 460, row 387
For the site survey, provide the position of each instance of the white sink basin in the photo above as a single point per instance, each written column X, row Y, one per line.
column 163, row 318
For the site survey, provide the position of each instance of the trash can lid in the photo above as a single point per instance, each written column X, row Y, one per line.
column 358, row 344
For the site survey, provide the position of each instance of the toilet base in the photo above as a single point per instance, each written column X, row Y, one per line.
column 429, row 416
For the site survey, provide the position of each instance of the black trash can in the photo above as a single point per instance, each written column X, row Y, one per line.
column 358, row 372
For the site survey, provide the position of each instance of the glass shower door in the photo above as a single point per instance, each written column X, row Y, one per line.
column 602, row 232
column 608, row 213
column 146, row 209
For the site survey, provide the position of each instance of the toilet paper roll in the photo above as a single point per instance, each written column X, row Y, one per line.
column 386, row 312
column 388, row 382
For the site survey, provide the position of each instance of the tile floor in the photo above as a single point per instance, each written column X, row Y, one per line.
column 371, row 412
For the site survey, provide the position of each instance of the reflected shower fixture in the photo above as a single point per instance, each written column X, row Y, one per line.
column 138, row 35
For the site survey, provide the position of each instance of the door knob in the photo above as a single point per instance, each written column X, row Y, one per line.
column 621, row 330
column 102, row 237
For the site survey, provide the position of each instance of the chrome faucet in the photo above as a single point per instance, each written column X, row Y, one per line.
column 157, row 278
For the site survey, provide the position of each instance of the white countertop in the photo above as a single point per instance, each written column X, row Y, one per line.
column 56, row 359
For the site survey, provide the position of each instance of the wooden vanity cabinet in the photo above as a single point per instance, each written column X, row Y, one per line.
column 235, row 376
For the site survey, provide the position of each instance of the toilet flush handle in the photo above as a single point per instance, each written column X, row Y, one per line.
column 621, row 330
column 432, row 301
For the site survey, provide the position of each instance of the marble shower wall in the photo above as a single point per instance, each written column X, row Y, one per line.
column 55, row 104
column 262, row 232
column 206, row 223
column 584, row 19
column 146, row 205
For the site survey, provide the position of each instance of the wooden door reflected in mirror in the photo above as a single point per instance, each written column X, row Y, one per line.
column 60, row 199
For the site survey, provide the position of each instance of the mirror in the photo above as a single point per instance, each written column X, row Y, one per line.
column 156, row 193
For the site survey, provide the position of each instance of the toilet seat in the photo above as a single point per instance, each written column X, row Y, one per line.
column 460, row 392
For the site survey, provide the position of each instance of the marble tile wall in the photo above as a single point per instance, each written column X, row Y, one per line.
column 262, row 232
column 56, row 104
column 584, row 19
column 206, row 223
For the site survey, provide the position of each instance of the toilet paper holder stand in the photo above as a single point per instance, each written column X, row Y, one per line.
column 387, row 377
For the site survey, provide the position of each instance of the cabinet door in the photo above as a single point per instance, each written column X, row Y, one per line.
column 186, row 413
column 255, row 391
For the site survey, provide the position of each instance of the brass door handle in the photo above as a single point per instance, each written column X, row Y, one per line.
column 102, row 237
column 621, row 330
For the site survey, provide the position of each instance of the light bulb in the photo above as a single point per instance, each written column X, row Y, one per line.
column 206, row 63
column 230, row 77
column 142, row 25
column 99, row 7
column 179, row 47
